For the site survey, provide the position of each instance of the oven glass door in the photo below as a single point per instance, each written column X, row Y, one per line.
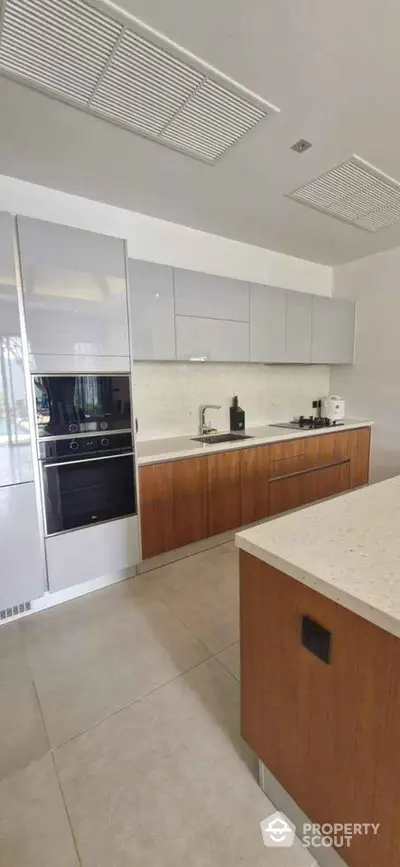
column 87, row 492
column 71, row 404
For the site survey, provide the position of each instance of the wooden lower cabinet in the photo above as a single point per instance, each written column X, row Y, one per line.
column 224, row 500
column 254, row 484
column 186, row 500
column 173, row 503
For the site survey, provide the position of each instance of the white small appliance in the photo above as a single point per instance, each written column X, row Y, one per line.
column 333, row 407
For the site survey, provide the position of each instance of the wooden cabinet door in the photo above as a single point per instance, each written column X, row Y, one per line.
column 359, row 441
column 254, row 484
column 224, row 507
column 156, row 508
column 190, row 505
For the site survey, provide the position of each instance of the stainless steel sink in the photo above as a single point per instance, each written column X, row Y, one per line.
column 209, row 439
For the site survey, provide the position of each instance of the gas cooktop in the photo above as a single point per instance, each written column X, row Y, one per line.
column 308, row 423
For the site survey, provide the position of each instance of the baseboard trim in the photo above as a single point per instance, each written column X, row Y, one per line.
column 49, row 600
column 187, row 551
column 285, row 804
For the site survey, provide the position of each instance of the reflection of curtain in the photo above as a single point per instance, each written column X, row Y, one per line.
column 14, row 426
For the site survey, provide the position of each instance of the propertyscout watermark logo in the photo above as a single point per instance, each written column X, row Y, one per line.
column 278, row 831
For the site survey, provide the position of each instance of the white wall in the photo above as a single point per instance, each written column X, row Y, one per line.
column 168, row 394
column 168, row 243
column 372, row 386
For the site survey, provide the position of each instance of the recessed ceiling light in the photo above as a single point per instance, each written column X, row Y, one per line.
column 356, row 192
column 108, row 63
column 301, row 145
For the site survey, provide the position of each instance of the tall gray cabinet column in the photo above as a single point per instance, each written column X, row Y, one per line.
column 22, row 566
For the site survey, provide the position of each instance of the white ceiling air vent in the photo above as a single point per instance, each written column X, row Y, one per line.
column 355, row 192
column 113, row 66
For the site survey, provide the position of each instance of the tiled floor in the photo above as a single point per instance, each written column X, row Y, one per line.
column 119, row 729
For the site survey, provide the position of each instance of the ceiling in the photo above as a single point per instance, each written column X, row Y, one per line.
column 331, row 68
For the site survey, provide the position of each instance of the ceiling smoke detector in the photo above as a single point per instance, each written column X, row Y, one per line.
column 355, row 192
column 113, row 66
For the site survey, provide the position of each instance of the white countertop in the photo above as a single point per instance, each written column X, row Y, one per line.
column 347, row 548
column 171, row 448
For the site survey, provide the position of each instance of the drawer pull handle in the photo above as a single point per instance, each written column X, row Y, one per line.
column 316, row 639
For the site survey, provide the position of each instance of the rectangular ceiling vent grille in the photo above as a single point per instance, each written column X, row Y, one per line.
column 123, row 72
column 355, row 192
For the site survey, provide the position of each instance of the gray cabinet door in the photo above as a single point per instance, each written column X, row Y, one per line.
column 333, row 322
column 208, row 296
column 298, row 327
column 267, row 323
column 75, row 291
column 15, row 448
column 152, row 320
column 22, row 573
column 211, row 339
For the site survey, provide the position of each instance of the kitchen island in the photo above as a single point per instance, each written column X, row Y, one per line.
column 320, row 655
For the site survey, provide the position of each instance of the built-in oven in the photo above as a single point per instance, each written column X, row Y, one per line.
column 85, row 449
column 86, row 480
column 68, row 404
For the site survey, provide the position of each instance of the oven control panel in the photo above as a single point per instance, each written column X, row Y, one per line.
column 79, row 448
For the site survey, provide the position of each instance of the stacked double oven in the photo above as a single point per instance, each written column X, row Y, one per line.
column 86, row 449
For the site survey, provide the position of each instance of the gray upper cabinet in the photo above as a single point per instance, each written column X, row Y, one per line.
column 152, row 320
column 333, row 321
column 208, row 296
column 211, row 339
column 298, row 327
column 267, row 323
column 74, row 285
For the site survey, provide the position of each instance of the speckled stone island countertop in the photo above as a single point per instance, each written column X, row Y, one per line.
column 347, row 548
column 172, row 448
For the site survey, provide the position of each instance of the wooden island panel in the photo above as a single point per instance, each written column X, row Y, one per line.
column 327, row 732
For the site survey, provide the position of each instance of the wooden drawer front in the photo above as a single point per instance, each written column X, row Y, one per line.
column 325, row 482
column 297, row 490
column 224, row 506
column 327, row 448
column 285, row 494
column 254, row 484
column 287, row 449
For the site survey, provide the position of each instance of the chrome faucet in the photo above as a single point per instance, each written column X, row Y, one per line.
column 204, row 425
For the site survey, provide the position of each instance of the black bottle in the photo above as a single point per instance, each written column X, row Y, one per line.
column 236, row 416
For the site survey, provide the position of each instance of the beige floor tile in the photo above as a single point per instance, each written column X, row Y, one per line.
column 22, row 733
column 203, row 591
column 93, row 656
column 34, row 829
column 230, row 658
column 166, row 782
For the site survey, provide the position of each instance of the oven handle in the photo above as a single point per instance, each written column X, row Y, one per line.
column 87, row 460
